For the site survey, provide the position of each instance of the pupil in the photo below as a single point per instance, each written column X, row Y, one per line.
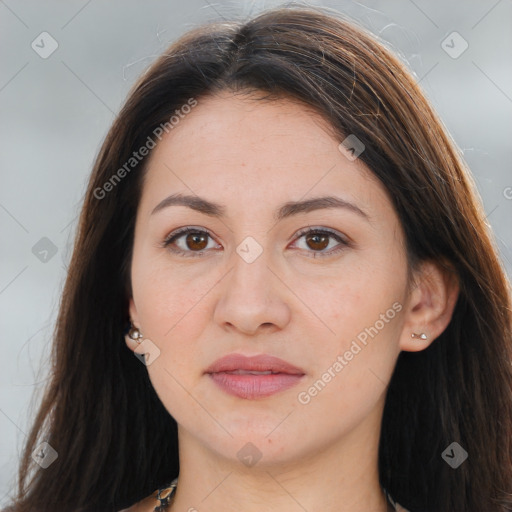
column 319, row 241
column 315, row 239
column 193, row 239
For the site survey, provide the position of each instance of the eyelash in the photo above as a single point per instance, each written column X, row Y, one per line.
column 175, row 235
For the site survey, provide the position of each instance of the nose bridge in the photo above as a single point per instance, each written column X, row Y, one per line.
column 251, row 262
column 250, row 296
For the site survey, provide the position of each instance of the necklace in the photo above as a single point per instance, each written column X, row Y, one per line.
column 166, row 492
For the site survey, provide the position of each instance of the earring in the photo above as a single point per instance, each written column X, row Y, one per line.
column 135, row 334
column 421, row 336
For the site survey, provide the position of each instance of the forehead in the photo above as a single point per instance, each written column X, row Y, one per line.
column 242, row 149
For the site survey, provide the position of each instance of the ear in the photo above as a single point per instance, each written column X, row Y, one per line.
column 430, row 305
column 134, row 318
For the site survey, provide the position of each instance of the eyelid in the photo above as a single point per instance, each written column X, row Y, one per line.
column 177, row 233
column 186, row 229
column 336, row 234
column 343, row 240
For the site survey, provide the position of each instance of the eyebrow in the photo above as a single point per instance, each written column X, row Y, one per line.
column 288, row 209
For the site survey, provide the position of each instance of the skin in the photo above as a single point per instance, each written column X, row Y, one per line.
column 253, row 156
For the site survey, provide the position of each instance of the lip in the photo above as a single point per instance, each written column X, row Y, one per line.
column 234, row 374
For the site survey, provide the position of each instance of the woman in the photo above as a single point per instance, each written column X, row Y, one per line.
column 281, row 231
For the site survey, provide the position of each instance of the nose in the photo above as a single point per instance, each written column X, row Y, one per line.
column 253, row 298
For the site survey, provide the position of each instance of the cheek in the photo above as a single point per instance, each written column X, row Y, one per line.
column 352, row 370
column 168, row 296
column 173, row 306
column 351, row 298
column 349, row 398
column 356, row 316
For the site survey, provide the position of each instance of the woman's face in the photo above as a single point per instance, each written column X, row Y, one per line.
column 248, row 281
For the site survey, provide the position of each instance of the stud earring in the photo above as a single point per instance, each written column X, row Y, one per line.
column 135, row 334
column 421, row 336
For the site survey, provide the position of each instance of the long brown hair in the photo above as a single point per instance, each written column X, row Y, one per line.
column 116, row 442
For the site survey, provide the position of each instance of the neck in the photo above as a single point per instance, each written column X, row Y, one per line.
column 341, row 478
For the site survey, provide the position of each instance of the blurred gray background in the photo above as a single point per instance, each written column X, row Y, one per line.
column 65, row 69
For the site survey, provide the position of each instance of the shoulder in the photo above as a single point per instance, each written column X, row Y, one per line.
column 147, row 504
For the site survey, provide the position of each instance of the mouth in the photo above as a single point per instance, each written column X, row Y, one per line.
column 253, row 377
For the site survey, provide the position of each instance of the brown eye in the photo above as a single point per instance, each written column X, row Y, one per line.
column 196, row 241
column 188, row 241
column 317, row 242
